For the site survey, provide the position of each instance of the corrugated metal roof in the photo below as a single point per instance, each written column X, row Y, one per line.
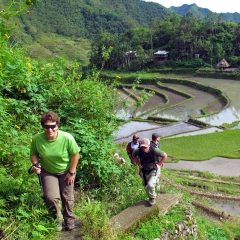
column 161, row 52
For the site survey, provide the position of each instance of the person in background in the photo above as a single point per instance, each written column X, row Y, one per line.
column 149, row 160
column 155, row 144
column 58, row 153
column 155, row 140
column 131, row 146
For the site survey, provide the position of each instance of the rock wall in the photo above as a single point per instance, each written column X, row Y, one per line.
column 182, row 229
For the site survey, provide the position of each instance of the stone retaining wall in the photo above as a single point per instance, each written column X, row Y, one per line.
column 182, row 229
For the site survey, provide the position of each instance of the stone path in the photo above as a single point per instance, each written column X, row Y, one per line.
column 128, row 217
column 141, row 210
column 75, row 234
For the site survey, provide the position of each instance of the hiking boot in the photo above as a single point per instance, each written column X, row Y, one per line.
column 60, row 227
column 152, row 201
column 70, row 227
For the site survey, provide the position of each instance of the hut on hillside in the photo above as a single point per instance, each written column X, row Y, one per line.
column 161, row 54
column 223, row 64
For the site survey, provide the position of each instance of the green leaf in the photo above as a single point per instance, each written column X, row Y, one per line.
column 42, row 228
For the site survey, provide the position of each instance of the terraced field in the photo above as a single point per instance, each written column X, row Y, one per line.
column 174, row 101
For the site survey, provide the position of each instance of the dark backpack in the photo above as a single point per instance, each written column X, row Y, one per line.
column 147, row 159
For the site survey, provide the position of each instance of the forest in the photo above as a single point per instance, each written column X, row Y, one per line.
column 183, row 37
column 85, row 18
column 119, row 25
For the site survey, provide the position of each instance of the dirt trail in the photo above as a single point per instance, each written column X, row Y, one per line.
column 75, row 234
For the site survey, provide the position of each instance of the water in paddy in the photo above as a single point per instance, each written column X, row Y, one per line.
column 145, row 129
column 218, row 166
column 231, row 208
column 231, row 89
column 192, row 107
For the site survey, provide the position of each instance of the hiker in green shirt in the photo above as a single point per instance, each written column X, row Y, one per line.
column 58, row 154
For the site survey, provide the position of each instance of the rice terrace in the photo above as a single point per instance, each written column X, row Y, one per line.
column 180, row 98
column 204, row 104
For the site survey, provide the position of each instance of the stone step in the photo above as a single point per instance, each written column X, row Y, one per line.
column 141, row 210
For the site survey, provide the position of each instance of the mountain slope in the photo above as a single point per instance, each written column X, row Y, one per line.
column 66, row 27
column 193, row 8
column 202, row 12
column 85, row 18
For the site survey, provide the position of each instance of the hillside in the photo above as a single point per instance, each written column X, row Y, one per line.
column 67, row 28
column 202, row 12
column 63, row 28
column 85, row 18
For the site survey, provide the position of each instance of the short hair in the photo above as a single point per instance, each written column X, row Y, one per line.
column 135, row 137
column 145, row 142
column 155, row 136
column 52, row 116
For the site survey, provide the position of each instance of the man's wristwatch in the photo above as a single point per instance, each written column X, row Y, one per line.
column 71, row 173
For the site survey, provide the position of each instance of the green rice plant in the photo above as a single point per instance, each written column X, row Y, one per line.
column 230, row 125
column 206, row 174
column 216, row 233
column 198, row 147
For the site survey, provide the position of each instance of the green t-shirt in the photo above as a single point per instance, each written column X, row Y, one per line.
column 54, row 155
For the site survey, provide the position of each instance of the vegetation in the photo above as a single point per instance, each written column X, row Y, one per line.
column 86, row 105
column 222, row 144
column 183, row 37
column 203, row 12
column 134, row 39
column 84, row 19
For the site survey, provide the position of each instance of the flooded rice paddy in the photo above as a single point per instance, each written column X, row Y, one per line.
column 145, row 129
column 181, row 113
column 231, row 89
column 231, row 208
column 192, row 107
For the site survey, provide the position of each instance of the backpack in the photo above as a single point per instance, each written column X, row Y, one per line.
column 149, row 161
column 128, row 148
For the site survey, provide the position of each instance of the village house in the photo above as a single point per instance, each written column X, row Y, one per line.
column 161, row 54
column 223, row 64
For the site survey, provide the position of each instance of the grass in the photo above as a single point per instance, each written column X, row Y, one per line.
column 52, row 46
column 203, row 147
column 214, row 144
column 126, row 189
column 156, row 225
column 142, row 75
